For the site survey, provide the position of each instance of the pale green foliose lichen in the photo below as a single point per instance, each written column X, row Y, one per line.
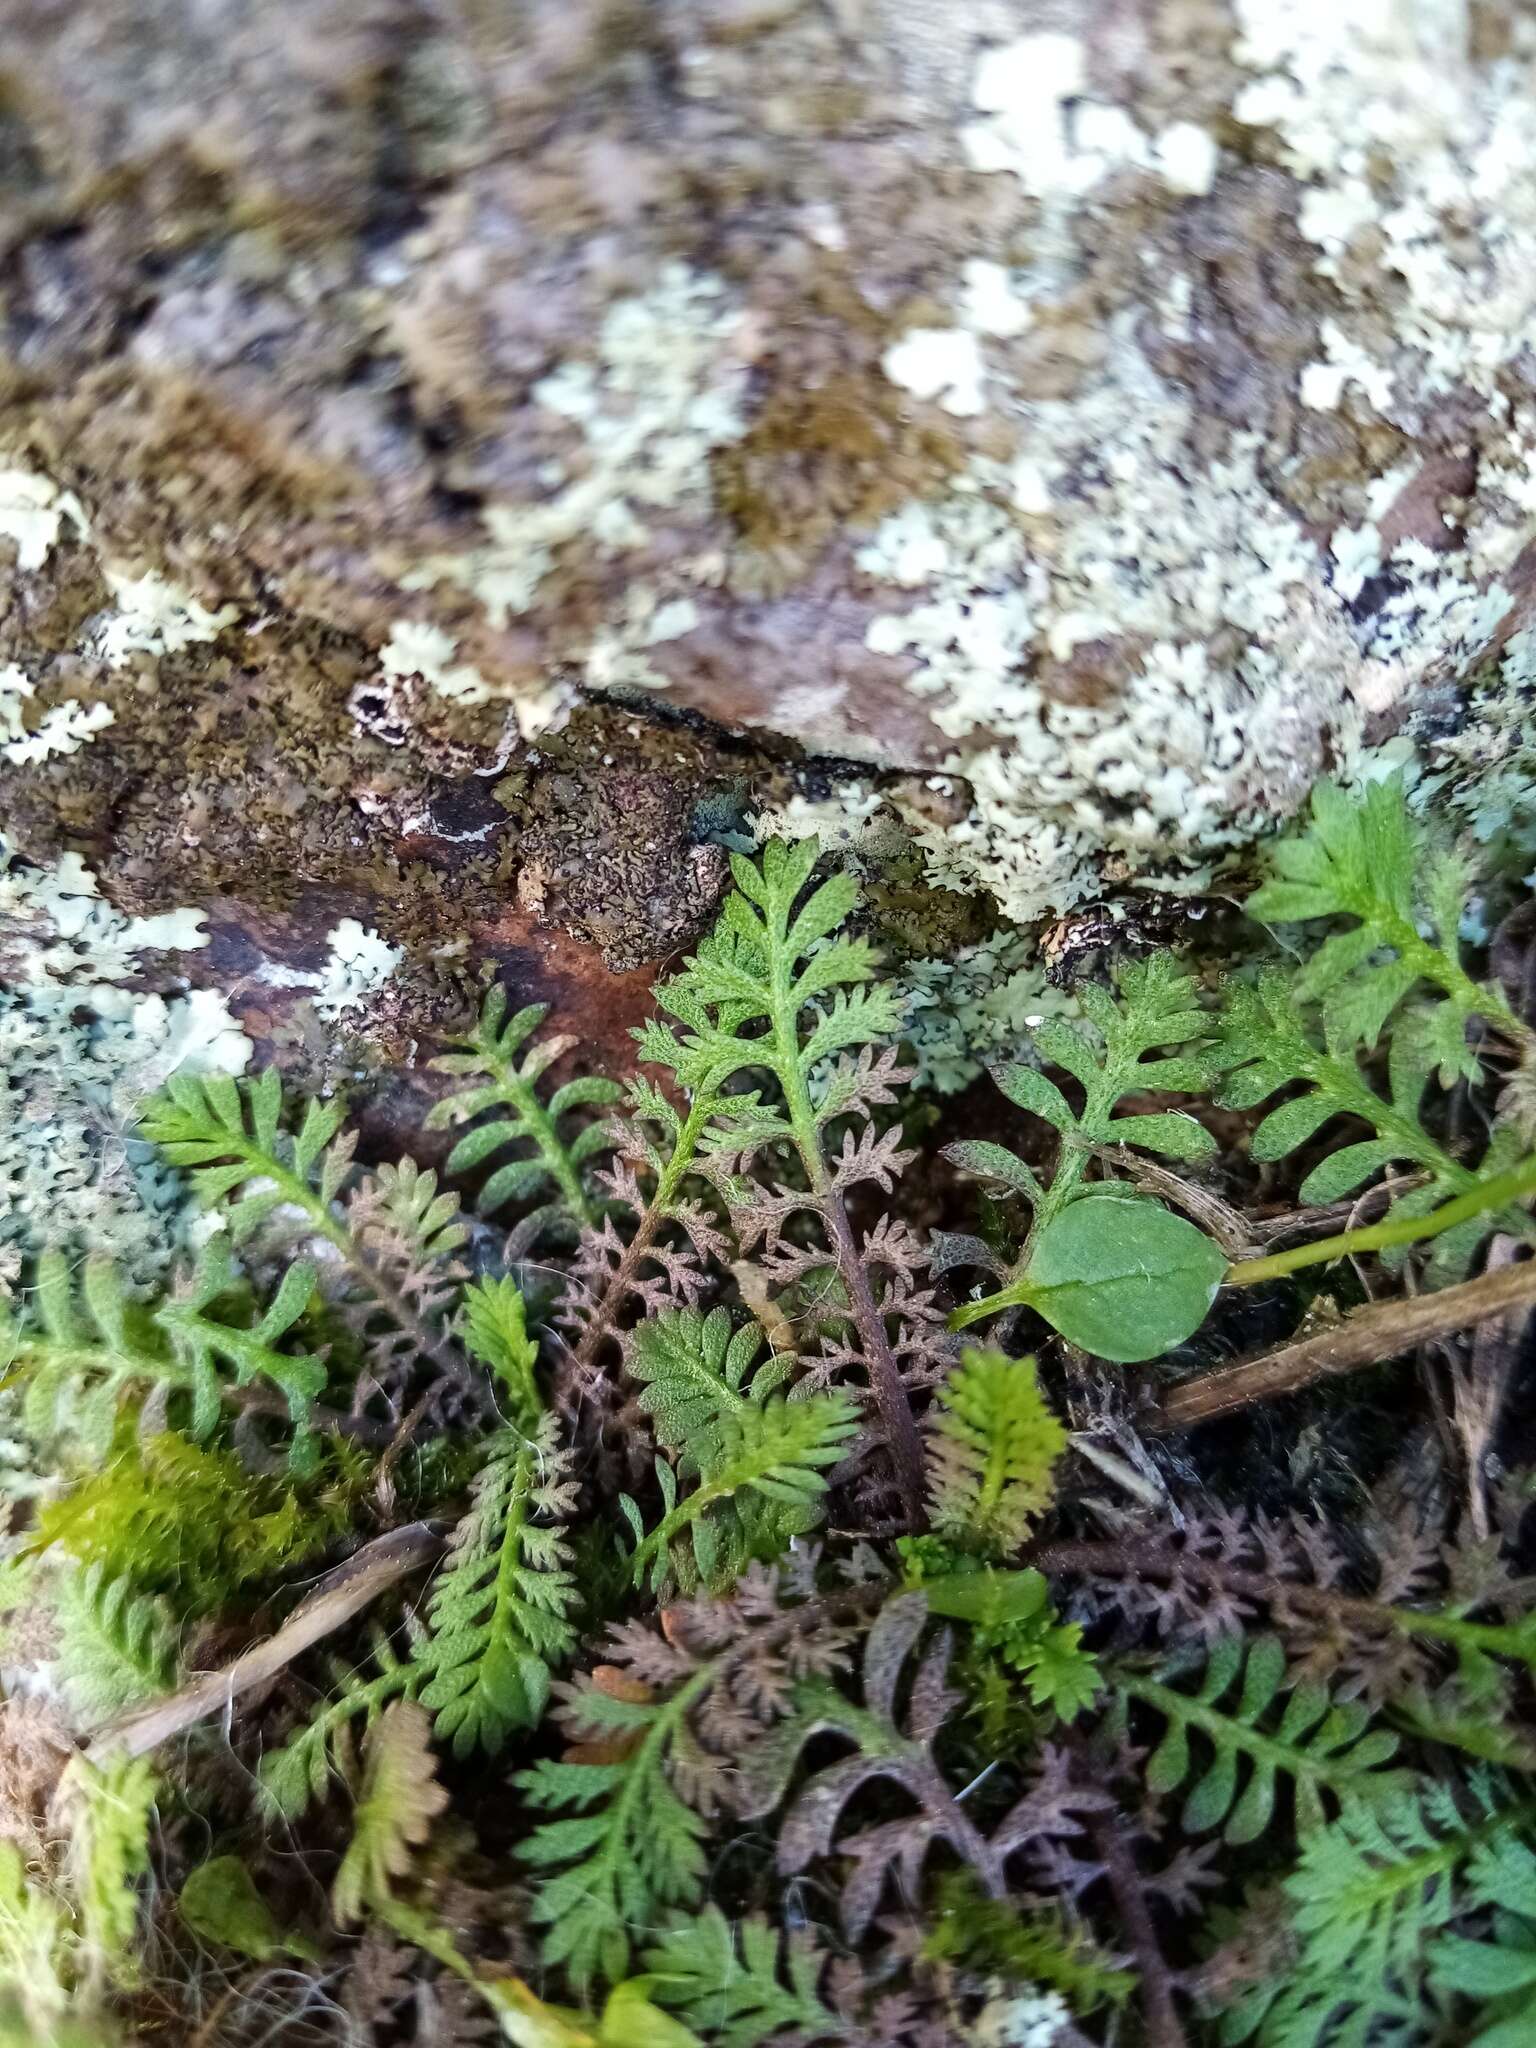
column 358, row 963
column 155, row 616
column 1242, row 656
column 33, row 509
column 78, row 1053
column 62, row 728
column 663, row 393
column 964, row 1013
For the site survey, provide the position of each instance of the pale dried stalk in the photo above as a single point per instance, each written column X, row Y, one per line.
column 1365, row 1337
column 341, row 1594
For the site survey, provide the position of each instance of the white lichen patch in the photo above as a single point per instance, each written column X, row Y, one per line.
column 1344, row 366
column 57, row 930
column 663, row 393
column 1129, row 628
column 842, row 819
column 1040, row 121
column 155, row 616
column 980, row 617
column 1397, row 130
column 991, row 301
column 33, row 510
column 62, row 728
column 358, row 964
column 78, row 1054
column 943, row 363
column 416, row 648
column 617, row 658
column 1183, row 753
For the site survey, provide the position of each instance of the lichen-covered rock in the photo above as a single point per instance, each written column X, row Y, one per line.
column 1118, row 410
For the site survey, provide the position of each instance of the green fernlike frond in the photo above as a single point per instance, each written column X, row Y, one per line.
column 500, row 1613
column 1362, row 856
column 1127, row 1281
column 399, row 1800
column 504, row 1090
column 496, row 1331
column 1015, row 1632
column 117, row 1646
column 757, row 1459
column 741, row 1984
column 82, row 1355
column 110, row 1806
column 66, row 1943
column 633, row 1848
column 394, row 1238
column 228, row 1137
column 775, row 990
column 303, row 1769
column 1246, row 1744
column 1157, row 1007
column 1498, row 1973
column 36, row 1942
column 992, row 1448
column 1371, row 1896
column 766, row 963
column 1265, row 1045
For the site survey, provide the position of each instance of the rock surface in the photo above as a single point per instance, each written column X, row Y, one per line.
column 1107, row 414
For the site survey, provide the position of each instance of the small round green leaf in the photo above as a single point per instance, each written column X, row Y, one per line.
column 220, row 1902
column 1123, row 1277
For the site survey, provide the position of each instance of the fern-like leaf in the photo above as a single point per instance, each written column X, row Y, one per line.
column 1372, row 1892
column 496, row 1332
column 1319, row 1747
column 1497, row 1971
column 1362, row 856
column 500, row 1612
column 399, row 1800
column 1155, row 1008
column 652, row 1246
column 658, row 1736
column 894, row 1748
column 110, row 1807
column 117, row 1645
column 776, row 990
column 757, row 1459
column 742, row 1984
column 1265, row 1045
column 992, row 1448
column 35, row 1942
column 228, row 1137
column 393, row 1238
column 301, row 1770
column 504, row 1092
column 82, row 1355
column 633, row 1847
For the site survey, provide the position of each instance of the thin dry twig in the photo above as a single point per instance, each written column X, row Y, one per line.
column 338, row 1596
column 1237, row 1236
column 1480, row 1386
column 1366, row 1336
column 1163, row 2025
column 1324, row 1220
